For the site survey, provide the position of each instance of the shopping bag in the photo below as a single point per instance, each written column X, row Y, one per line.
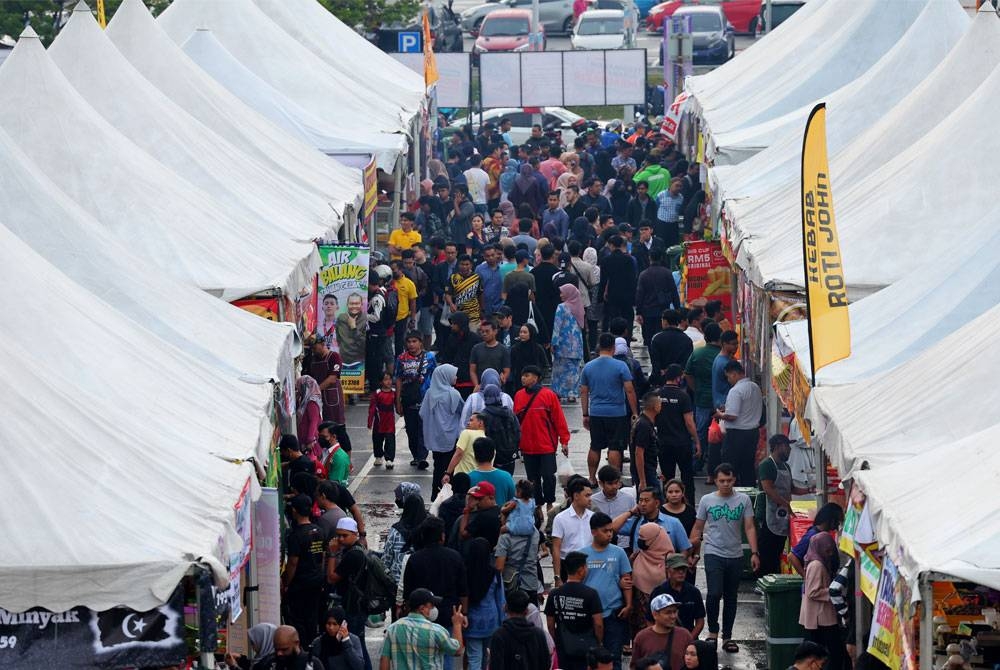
column 564, row 469
column 442, row 495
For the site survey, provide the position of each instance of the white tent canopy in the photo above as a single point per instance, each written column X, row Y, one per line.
column 227, row 338
column 138, row 440
column 763, row 192
column 340, row 47
column 163, row 218
column 937, row 397
column 928, row 40
column 842, row 49
column 277, row 58
column 144, row 44
column 205, row 50
column 957, row 534
column 886, row 219
column 162, row 129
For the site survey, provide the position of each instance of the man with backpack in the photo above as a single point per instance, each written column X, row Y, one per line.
column 503, row 429
column 353, row 574
column 519, row 644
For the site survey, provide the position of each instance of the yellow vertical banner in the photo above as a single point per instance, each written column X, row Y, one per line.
column 826, row 289
column 430, row 65
column 100, row 14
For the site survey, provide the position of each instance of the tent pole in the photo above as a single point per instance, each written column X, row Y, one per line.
column 397, row 195
column 861, row 613
column 926, row 622
column 773, row 408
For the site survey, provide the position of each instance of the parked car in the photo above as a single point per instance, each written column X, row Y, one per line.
column 553, row 118
column 713, row 38
column 445, row 31
column 780, row 11
column 556, row 15
column 742, row 14
column 603, row 29
column 507, row 30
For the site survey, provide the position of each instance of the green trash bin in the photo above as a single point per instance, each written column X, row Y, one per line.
column 782, row 599
column 753, row 493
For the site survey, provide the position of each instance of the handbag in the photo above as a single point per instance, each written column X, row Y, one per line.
column 531, row 316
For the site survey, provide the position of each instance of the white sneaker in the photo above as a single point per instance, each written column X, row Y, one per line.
column 388, row 465
column 378, row 462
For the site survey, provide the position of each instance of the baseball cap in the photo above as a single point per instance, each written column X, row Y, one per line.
column 421, row 597
column 662, row 602
column 348, row 523
column 483, row 490
column 302, row 504
column 522, row 255
column 676, row 561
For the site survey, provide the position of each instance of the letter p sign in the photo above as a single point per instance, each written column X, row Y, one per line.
column 409, row 43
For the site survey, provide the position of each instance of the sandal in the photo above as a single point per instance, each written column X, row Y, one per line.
column 730, row 647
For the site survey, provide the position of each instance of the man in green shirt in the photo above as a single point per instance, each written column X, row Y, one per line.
column 698, row 374
column 337, row 461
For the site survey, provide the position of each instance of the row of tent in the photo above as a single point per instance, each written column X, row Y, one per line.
column 141, row 192
column 911, row 89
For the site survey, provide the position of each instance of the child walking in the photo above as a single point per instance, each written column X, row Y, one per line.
column 382, row 421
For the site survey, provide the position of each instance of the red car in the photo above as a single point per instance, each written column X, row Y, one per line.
column 742, row 14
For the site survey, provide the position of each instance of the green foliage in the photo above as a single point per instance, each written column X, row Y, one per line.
column 45, row 16
column 369, row 14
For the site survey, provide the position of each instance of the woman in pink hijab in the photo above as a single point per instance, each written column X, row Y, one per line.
column 567, row 344
column 566, row 179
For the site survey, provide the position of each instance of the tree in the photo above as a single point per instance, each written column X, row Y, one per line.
column 370, row 14
column 47, row 16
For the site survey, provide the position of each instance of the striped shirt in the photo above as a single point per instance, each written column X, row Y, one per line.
column 669, row 206
column 414, row 643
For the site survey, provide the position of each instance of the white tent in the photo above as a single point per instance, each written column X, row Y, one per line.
column 276, row 57
column 842, row 49
column 116, row 460
column 887, row 219
column 853, row 107
column 162, row 129
column 144, row 44
column 764, row 191
column 956, row 535
column 164, row 219
column 939, row 396
column 317, row 29
column 227, row 338
column 205, row 50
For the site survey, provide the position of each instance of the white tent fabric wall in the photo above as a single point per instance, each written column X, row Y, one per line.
column 161, row 217
column 162, row 129
column 765, row 189
column 212, row 56
column 887, row 219
column 939, row 396
column 277, row 58
column 144, row 44
column 317, row 29
column 229, row 339
column 153, row 485
column 922, row 534
column 777, row 143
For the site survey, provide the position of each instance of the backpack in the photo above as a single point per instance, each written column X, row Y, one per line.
column 388, row 317
column 502, row 427
column 378, row 593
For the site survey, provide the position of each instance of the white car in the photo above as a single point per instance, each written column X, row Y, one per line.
column 603, row 29
column 553, row 118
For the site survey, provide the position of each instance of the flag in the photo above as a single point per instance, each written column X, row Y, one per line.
column 430, row 65
column 121, row 627
column 826, row 289
column 100, row 14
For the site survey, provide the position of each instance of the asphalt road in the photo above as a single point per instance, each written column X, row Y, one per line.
column 373, row 489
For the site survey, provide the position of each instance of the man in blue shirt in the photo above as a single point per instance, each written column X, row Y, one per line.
column 492, row 281
column 729, row 342
column 555, row 221
column 607, row 565
column 605, row 385
column 668, row 212
column 647, row 510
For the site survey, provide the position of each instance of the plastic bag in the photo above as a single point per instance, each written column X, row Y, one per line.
column 442, row 495
column 564, row 469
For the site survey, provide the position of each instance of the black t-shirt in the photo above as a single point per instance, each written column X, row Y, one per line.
column 687, row 517
column 692, row 605
column 345, row 500
column 301, row 464
column 670, row 421
column 574, row 605
column 442, row 571
column 644, row 435
column 308, row 542
column 485, row 524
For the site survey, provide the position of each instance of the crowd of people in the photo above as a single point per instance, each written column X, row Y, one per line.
column 512, row 289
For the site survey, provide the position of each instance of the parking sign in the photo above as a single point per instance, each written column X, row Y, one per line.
column 409, row 43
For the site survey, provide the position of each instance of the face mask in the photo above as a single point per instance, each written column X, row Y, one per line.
column 433, row 614
column 643, row 545
column 323, row 442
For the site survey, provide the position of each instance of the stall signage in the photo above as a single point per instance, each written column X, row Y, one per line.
column 343, row 308
column 267, row 308
column 870, row 567
column 885, row 640
column 707, row 274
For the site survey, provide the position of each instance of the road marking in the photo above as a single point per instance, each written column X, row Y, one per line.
column 370, row 463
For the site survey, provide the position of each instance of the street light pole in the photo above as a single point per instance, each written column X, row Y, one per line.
column 767, row 17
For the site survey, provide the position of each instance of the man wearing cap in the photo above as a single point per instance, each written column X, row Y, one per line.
column 504, row 317
column 776, row 482
column 664, row 637
column 302, row 578
column 612, row 134
column 481, row 516
column 691, row 605
column 415, row 642
column 346, row 570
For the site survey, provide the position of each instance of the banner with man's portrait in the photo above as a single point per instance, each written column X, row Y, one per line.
column 342, row 309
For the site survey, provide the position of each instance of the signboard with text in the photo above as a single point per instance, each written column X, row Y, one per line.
column 706, row 274
column 343, row 307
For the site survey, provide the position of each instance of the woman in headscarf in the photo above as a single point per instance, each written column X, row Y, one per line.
column 441, row 412
column 653, row 546
column 525, row 351
column 436, row 168
column 567, row 344
column 817, row 615
column 261, row 638
column 476, row 402
column 527, row 191
column 486, row 600
column 398, row 541
column 507, row 179
column 572, row 163
column 509, row 216
column 337, row 647
column 309, row 414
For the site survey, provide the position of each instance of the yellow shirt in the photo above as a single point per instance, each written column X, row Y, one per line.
column 407, row 291
column 465, row 440
column 401, row 239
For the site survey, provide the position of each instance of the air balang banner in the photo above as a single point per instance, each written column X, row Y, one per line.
column 83, row 638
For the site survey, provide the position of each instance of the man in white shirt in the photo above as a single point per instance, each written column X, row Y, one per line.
column 571, row 527
column 478, row 181
column 611, row 499
column 741, row 420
